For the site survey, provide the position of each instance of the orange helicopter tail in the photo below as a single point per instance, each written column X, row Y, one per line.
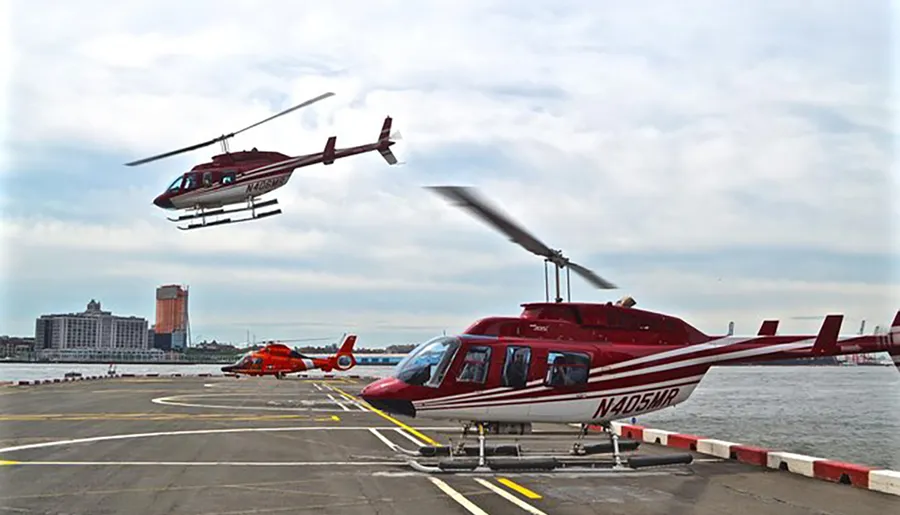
column 344, row 360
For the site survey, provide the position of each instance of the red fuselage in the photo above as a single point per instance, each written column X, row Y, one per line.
column 236, row 177
column 582, row 363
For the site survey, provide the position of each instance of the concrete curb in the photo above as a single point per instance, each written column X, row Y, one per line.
column 859, row 476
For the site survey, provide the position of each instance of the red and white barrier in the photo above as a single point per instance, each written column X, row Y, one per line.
column 887, row 481
column 860, row 476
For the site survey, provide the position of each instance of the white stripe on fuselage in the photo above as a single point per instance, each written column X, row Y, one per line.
column 574, row 410
column 564, row 396
column 536, row 385
column 233, row 193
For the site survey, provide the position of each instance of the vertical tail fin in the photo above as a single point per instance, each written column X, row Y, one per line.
column 826, row 340
column 384, row 142
column 768, row 328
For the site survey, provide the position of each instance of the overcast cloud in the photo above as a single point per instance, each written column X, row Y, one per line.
column 718, row 160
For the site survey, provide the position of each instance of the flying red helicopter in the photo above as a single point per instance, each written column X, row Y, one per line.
column 277, row 359
column 577, row 363
column 242, row 177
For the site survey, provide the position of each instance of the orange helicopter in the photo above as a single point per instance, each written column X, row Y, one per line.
column 277, row 359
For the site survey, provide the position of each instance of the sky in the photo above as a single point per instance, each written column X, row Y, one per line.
column 717, row 160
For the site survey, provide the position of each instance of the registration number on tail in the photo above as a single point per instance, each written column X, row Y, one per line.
column 618, row 405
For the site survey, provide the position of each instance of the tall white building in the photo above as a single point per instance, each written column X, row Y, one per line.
column 92, row 329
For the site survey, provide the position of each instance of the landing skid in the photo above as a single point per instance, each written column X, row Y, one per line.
column 511, row 458
column 203, row 214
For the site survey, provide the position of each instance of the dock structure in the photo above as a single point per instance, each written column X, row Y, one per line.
column 217, row 445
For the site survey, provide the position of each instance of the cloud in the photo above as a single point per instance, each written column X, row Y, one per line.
column 717, row 160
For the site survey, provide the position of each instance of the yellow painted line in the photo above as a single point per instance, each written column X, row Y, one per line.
column 518, row 488
column 389, row 418
column 336, row 418
column 8, row 462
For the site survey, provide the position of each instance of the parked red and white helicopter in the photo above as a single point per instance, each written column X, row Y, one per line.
column 242, row 177
column 579, row 363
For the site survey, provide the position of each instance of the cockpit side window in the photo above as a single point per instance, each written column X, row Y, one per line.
column 475, row 365
column 228, row 177
column 567, row 368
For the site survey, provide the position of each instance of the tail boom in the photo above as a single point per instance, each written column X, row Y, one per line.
column 826, row 343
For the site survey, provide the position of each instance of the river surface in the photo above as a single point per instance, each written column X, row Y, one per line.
column 842, row 413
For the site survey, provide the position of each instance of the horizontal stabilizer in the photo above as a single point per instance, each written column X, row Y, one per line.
column 768, row 328
column 826, row 341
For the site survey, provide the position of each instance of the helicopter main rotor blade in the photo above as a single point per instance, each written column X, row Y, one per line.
column 311, row 101
column 469, row 199
column 591, row 277
column 226, row 136
column 175, row 152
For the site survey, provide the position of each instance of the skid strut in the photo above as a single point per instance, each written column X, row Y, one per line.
column 203, row 214
column 509, row 457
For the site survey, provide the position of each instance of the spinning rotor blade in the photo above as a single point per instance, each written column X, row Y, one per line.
column 226, row 136
column 591, row 277
column 469, row 199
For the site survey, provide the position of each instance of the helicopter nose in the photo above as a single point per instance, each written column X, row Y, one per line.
column 163, row 202
column 383, row 396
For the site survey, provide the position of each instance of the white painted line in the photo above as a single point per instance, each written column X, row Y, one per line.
column 219, row 463
column 356, row 403
column 510, row 497
column 59, row 443
column 317, row 386
column 168, row 401
column 456, row 496
column 391, row 445
column 345, row 408
column 410, row 437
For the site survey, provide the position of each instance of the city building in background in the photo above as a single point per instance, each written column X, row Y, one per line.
column 92, row 334
column 171, row 332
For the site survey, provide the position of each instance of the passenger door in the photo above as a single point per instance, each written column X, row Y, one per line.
column 565, row 383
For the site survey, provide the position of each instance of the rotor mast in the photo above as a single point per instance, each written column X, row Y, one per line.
column 556, row 271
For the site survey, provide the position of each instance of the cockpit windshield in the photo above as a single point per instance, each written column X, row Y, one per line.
column 176, row 184
column 245, row 361
column 427, row 364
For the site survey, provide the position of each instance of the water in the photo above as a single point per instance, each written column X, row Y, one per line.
column 842, row 413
